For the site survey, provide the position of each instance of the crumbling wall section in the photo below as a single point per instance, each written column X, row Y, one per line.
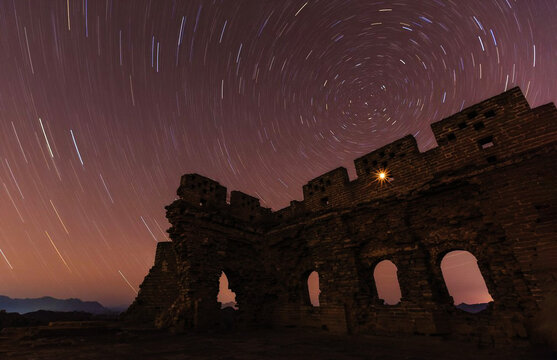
column 158, row 290
column 209, row 238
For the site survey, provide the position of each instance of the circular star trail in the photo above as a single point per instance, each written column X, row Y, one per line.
column 104, row 104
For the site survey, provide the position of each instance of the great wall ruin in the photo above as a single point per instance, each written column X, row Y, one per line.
column 489, row 187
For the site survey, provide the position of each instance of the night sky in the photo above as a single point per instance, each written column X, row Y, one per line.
column 104, row 104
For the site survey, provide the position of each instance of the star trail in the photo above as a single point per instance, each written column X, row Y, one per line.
column 104, row 104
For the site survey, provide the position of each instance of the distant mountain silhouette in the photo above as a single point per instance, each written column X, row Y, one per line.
column 119, row 308
column 14, row 320
column 472, row 308
column 48, row 303
column 43, row 316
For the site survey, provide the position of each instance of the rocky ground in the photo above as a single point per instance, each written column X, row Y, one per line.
column 106, row 340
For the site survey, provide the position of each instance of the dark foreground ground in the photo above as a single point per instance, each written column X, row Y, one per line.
column 102, row 341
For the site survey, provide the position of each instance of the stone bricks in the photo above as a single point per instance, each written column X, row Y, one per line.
column 488, row 188
column 159, row 289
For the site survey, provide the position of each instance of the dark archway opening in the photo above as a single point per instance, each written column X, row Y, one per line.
column 464, row 281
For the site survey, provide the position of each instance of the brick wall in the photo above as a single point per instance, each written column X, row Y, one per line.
column 488, row 188
column 158, row 290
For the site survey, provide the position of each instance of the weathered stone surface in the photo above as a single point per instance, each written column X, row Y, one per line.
column 488, row 188
column 159, row 288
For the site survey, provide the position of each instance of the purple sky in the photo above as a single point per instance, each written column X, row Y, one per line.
column 105, row 103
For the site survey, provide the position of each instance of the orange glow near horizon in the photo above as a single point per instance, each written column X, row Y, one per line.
column 386, row 282
column 226, row 296
column 313, row 288
column 464, row 279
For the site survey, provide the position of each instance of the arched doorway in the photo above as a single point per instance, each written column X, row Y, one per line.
column 313, row 288
column 464, row 281
column 226, row 297
column 386, row 282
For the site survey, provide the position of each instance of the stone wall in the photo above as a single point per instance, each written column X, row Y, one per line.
column 488, row 188
column 158, row 290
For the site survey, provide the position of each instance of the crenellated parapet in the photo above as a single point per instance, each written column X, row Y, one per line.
column 246, row 207
column 480, row 136
column 208, row 195
column 201, row 191
column 394, row 156
column 327, row 189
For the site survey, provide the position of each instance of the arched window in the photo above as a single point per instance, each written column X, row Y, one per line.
column 313, row 288
column 226, row 297
column 464, row 281
column 386, row 281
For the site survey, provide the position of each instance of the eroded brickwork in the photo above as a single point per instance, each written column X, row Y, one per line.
column 489, row 188
column 159, row 288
